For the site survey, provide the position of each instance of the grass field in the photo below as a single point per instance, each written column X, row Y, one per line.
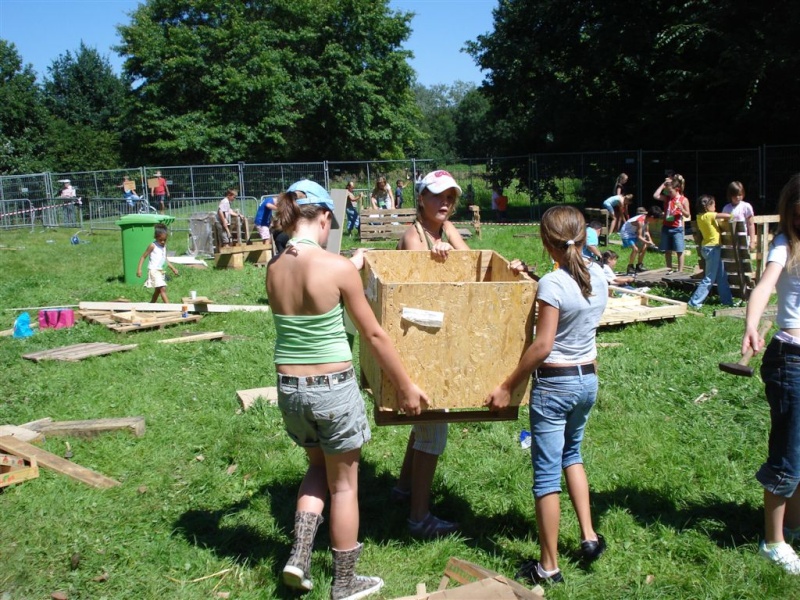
column 207, row 496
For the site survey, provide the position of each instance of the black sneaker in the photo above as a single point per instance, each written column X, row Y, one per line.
column 591, row 550
column 529, row 572
column 631, row 270
column 641, row 269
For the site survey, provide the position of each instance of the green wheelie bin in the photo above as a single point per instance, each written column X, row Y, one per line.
column 137, row 233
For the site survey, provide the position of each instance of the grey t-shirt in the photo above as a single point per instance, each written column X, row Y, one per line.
column 578, row 317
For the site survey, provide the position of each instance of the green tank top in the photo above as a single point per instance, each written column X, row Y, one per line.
column 311, row 339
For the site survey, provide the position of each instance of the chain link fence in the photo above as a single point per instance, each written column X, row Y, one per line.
column 532, row 182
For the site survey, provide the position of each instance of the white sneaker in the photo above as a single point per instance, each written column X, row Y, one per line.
column 782, row 555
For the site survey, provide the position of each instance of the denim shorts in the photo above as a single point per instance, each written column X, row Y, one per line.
column 780, row 370
column 559, row 410
column 672, row 240
column 430, row 438
column 327, row 415
column 628, row 242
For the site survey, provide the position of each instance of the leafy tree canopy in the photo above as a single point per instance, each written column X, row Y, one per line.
column 81, row 88
column 22, row 117
column 585, row 75
column 220, row 81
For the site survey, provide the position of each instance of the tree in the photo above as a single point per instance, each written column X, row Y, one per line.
column 85, row 99
column 585, row 75
column 219, row 81
column 22, row 116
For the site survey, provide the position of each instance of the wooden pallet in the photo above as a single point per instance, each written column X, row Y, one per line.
column 153, row 320
column 385, row 224
column 634, row 306
column 56, row 463
column 16, row 469
column 77, row 352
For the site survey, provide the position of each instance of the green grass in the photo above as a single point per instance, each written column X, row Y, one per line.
column 672, row 481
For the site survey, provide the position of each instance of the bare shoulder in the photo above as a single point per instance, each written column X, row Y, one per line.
column 455, row 239
column 411, row 240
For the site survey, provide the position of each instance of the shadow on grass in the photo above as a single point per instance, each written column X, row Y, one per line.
column 727, row 524
column 381, row 521
column 115, row 279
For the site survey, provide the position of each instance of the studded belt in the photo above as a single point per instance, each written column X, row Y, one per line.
column 315, row 380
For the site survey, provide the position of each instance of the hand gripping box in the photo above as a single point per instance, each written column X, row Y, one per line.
column 459, row 325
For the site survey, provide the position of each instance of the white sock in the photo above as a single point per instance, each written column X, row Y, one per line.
column 544, row 573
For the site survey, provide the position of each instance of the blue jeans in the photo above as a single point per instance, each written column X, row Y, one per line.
column 559, row 408
column 353, row 220
column 714, row 273
column 780, row 370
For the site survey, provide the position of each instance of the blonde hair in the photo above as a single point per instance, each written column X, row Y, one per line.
column 787, row 204
column 678, row 183
column 563, row 231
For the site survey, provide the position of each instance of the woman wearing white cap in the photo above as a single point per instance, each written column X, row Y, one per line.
column 318, row 395
column 437, row 193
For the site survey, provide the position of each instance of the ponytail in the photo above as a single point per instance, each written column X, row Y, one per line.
column 563, row 230
column 289, row 212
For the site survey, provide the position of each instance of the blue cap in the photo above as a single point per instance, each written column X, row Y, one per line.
column 315, row 194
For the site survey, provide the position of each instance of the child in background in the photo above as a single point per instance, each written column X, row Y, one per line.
column 708, row 223
column 617, row 207
column 739, row 210
column 322, row 408
column 780, row 371
column 352, row 208
column 591, row 250
column 398, row 194
column 619, row 184
column 381, row 197
column 676, row 212
column 635, row 235
column 610, row 259
column 263, row 216
column 156, row 276
column 562, row 360
column 224, row 214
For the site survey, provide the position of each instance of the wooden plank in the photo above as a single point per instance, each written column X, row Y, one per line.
column 56, row 463
column 259, row 246
column 390, row 417
column 33, row 424
column 9, row 460
column 248, row 398
column 77, row 351
column 198, row 337
column 156, row 307
column 21, row 433
column 92, row 427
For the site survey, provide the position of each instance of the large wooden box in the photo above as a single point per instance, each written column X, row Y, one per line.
column 486, row 325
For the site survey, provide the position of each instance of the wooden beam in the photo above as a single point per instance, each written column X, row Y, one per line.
column 198, row 337
column 91, row 427
column 56, row 463
column 21, row 433
column 158, row 307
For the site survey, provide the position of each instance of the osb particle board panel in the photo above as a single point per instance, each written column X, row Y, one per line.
column 487, row 323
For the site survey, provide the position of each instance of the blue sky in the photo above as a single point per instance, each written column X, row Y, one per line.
column 44, row 29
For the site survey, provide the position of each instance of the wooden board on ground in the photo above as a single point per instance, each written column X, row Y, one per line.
column 156, row 307
column 198, row 300
column 56, row 463
column 90, row 427
column 634, row 306
column 20, row 432
column 197, row 337
column 476, row 583
column 16, row 469
column 155, row 320
column 78, row 352
column 249, row 397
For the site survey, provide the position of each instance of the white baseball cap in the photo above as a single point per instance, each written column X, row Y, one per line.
column 437, row 182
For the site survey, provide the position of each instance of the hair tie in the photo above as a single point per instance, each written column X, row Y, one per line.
column 570, row 242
